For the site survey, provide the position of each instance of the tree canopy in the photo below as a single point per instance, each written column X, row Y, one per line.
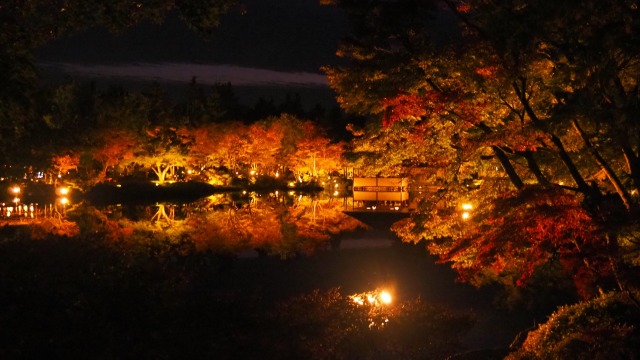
column 506, row 101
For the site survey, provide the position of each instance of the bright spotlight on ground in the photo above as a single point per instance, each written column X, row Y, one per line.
column 385, row 297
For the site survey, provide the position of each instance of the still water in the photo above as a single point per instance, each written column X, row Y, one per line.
column 293, row 243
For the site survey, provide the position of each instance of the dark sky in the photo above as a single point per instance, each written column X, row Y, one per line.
column 289, row 35
column 275, row 48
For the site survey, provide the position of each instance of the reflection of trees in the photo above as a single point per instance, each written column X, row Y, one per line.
column 161, row 214
column 283, row 224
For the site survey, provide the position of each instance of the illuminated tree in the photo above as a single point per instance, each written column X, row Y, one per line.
column 162, row 151
column 117, row 148
column 498, row 97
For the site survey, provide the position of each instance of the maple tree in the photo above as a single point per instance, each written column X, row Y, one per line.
column 501, row 97
column 116, row 148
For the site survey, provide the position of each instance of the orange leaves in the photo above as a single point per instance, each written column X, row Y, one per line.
column 403, row 107
column 551, row 224
column 487, row 71
column 463, row 8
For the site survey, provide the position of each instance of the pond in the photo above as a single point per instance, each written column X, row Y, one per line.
column 278, row 245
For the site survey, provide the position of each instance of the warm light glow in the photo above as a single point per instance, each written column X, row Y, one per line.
column 277, row 174
column 292, row 184
column 64, row 201
column 374, row 298
column 385, row 297
column 336, row 193
column 467, row 206
column 16, row 200
column 465, row 215
column 63, row 191
column 252, row 172
column 15, row 189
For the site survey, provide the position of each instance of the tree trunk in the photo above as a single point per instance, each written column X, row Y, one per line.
column 508, row 168
column 504, row 160
column 562, row 153
column 633, row 164
column 535, row 169
column 611, row 175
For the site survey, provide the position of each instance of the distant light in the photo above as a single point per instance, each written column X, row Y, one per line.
column 336, row 193
column 64, row 201
column 63, row 190
column 15, row 189
column 467, row 206
column 465, row 215
column 16, row 200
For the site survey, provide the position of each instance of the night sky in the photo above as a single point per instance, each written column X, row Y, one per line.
column 275, row 42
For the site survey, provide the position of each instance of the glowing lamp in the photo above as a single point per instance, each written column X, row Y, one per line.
column 385, row 297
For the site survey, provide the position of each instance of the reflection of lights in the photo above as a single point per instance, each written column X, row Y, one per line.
column 16, row 200
column 64, row 200
column 465, row 215
column 336, row 193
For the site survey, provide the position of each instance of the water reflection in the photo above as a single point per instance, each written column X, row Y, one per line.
column 276, row 223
